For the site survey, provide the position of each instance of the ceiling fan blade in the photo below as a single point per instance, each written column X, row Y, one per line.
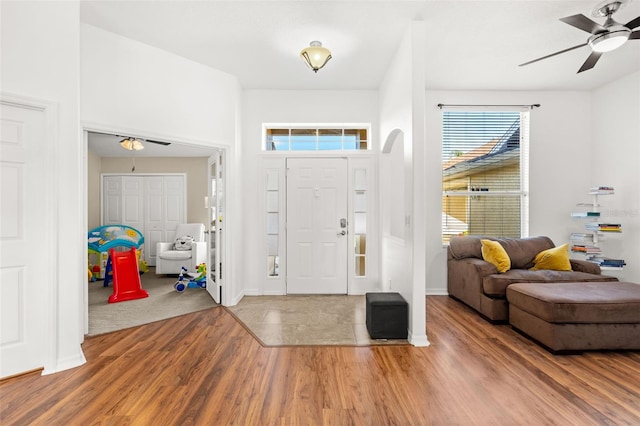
column 554, row 54
column 634, row 23
column 590, row 62
column 158, row 142
column 583, row 23
column 635, row 35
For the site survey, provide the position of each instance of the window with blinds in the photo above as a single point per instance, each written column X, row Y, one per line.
column 484, row 173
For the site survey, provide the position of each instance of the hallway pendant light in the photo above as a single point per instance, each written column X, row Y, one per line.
column 131, row 144
column 315, row 55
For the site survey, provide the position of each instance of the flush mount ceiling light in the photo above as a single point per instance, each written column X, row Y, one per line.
column 315, row 55
column 131, row 144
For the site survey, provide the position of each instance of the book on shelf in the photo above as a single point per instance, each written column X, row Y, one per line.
column 581, row 248
column 601, row 190
column 603, row 227
column 607, row 261
column 585, row 214
column 582, row 237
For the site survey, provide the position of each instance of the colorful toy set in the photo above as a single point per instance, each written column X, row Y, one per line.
column 103, row 238
column 188, row 280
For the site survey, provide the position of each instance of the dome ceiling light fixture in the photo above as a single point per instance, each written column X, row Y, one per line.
column 315, row 56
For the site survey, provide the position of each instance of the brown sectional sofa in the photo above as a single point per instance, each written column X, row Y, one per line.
column 478, row 284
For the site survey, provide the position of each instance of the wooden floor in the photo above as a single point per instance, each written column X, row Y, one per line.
column 206, row 369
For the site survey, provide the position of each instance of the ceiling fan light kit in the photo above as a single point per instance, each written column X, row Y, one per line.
column 315, row 56
column 610, row 40
column 604, row 38
column 131, row 144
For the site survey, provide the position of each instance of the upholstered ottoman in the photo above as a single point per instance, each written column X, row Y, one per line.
column 387, row 316
column 577, row 316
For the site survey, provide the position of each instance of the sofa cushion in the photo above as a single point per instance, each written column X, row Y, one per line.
column 556, row 259
column 494, row 253
column 578, row 302
column 495, row 285
column 521, row 251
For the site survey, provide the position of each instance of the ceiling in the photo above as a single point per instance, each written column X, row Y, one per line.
column 471, row 45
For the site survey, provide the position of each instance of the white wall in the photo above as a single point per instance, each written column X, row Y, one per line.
column 559, row 170
column 129, row 87
column 402, row 108
column 616, row 162
column 286, row 106
column 40, row 59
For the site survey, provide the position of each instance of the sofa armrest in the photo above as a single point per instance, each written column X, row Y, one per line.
column 162, row 247
column 585, row 266
column 465, row 277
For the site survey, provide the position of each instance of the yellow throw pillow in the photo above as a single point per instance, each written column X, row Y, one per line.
column 494, row 253
column 556, row 259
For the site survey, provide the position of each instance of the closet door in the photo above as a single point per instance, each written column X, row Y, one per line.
column 154, row 216
column 111, row 200
column 123, row 201
column 133, row 202
column 175, row 205
column 165, row 208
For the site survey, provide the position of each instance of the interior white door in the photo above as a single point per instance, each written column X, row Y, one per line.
column 214, row 275
column 23, row 238
column 165, row 209
column 133, row 202
column 153, row 217
column 317, row 233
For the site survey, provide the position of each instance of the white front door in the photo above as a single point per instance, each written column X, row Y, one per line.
column 24, row 239
column 317, row 233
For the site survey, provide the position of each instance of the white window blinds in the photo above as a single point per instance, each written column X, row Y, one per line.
column 484, row 173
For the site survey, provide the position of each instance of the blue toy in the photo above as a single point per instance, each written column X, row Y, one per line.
column 187, row 281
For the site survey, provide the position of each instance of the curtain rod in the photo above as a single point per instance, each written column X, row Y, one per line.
column 532, row 106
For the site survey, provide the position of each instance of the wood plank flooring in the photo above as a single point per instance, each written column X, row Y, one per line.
column 205, row 368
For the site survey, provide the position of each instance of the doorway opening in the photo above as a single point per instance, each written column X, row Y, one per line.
column 105, row 155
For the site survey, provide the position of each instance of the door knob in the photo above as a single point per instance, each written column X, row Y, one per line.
column 343, row 232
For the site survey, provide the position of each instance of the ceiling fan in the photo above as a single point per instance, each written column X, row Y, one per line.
column 604, row 38
column 136, row 144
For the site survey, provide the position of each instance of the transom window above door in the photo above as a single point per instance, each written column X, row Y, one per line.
column 315, row 138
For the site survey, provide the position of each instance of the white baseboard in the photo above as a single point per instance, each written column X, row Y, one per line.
column 66, row 364
column 418, row 340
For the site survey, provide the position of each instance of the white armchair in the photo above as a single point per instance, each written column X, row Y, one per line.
column 170, row 261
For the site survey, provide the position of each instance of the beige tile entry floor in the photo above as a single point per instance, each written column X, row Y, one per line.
column 307, row 320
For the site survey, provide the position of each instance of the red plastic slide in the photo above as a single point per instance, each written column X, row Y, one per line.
column 126, row 278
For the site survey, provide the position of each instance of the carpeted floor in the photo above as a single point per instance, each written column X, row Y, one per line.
column 163, row 302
